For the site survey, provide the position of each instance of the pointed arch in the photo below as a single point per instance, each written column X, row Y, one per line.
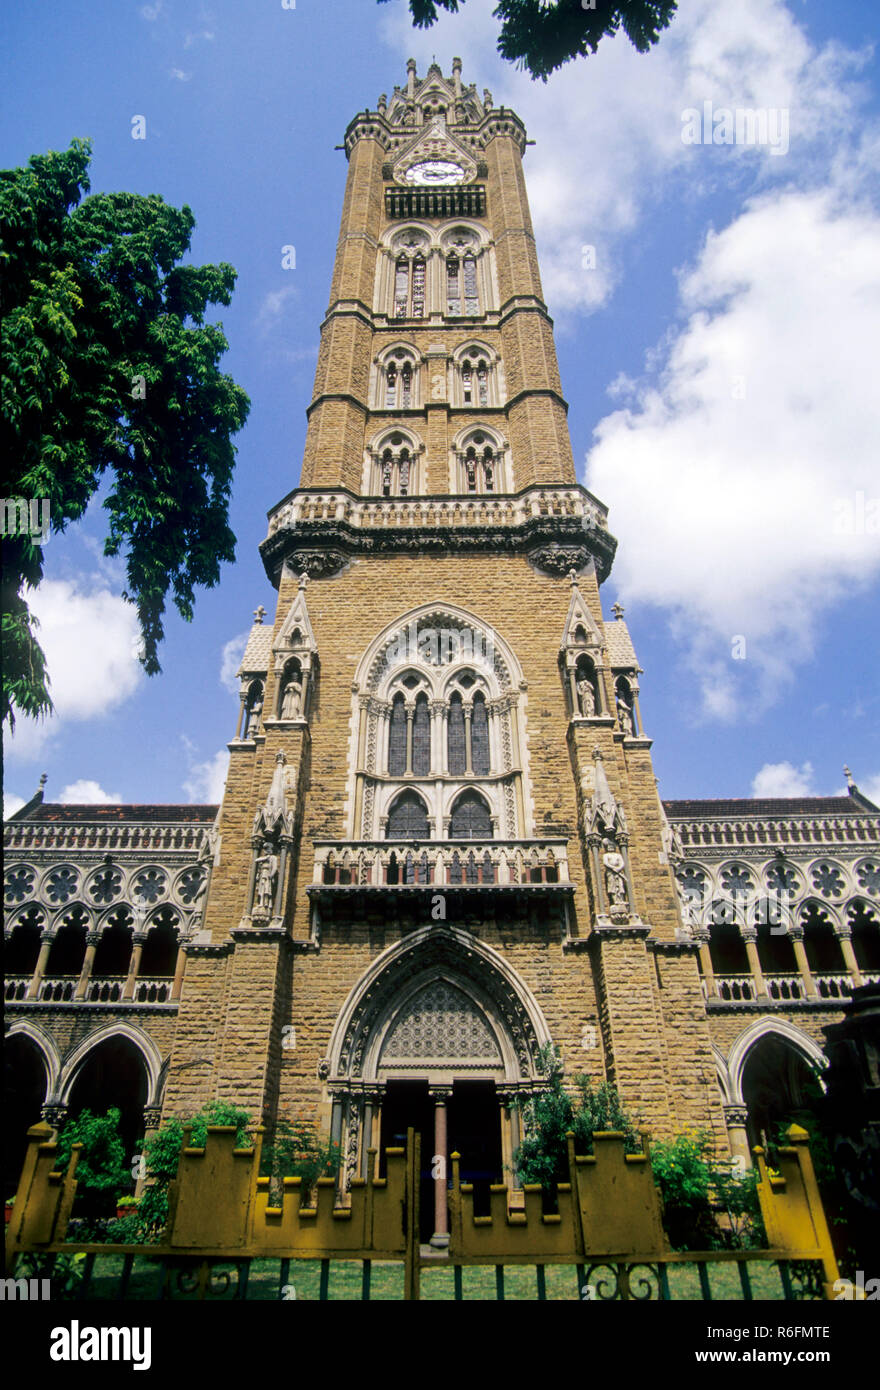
column 396, row 977
column 769, row 1027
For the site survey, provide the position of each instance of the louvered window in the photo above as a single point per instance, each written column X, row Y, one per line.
column 406, row 386
column 471, row 300
column 467, row 382
column 391, row 387
column 418, row 289
column 482, row 384
column 453, row 286
column 401, row 288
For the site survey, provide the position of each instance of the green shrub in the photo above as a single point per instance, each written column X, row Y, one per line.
column 697, row 1187
column 300, row 1152
column 548, row 1117
column 103, row 1172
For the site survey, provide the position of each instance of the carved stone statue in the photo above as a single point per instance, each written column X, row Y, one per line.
column 624, row 714
column 615, row 881
column 264, row 888
column 586, row 697
column 291, row 700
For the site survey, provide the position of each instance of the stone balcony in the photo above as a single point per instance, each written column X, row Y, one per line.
column 105, row 990
column 781, row 988
column 525, row 879
column 558, row 525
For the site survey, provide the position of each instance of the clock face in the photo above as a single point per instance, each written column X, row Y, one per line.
column 435, row 171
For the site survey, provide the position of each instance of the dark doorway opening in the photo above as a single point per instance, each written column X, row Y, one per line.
column 24, row 1091
column 113, row 1074
column 407, row 1104
column 475, row 1133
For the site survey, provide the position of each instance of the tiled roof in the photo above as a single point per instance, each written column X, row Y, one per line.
column 619, row 644
column 258, row 652
column 162, row 815
column 782, row 807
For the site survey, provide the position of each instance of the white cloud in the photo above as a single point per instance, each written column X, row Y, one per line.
column 179, row 75
column 90, row 640
column 88, row 793
column 233, row 651
column 152, row 12
column 608, row 128
column 273, row 306
column 192, row 38
column 870, row 786
column 740, row 476
column 207, row 780
column 11, row 804
column 784, row 779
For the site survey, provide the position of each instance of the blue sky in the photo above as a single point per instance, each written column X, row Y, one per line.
column 717, row 343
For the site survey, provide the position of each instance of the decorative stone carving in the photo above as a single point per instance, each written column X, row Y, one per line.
column 586, row 697
column 442, row 1024
column 559, row 559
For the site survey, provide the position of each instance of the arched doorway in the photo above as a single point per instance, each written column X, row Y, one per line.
column 25, row 1087
column 439, row 1035
column 113, row 1073
column 779, row 1088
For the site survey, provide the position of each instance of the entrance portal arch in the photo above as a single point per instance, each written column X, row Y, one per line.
column 439, row 1035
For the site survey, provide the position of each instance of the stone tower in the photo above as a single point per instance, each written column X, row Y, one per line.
column 441, row 845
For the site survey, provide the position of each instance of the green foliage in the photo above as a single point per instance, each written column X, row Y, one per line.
column 300, row 1152
column 548, row 1117
column 541, row 35
column 696, row 1187
column 161, row 1153
column 110, row 368
column 102, row 1166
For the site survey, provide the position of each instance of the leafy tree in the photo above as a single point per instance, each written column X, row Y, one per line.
column 541, row 35
column 110, row 368
column 300, row 1152
column 547, row 1118
column 696, row 1186
column 161, row 1152
column 102, row 1170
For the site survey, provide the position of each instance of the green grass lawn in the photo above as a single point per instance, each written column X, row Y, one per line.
column 437, row 1284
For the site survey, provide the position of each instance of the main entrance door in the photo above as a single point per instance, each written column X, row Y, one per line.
column 473, row 1131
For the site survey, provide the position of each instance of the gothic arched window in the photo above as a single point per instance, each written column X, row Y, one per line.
column 455, row 738
column 421, row 749
column 397, row 738
column 409, row 288
column 480, row 738
column 470, row 818
column 407, row 818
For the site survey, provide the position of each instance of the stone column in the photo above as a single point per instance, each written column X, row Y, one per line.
column 240, row 715
column 701, row 936
column 82, row 984
column 468, row 711
column 40, row 968
column 152, row 1121
column 803, row 965
column 410, row 716
column 134, row 965
column 179, row 967
column 735, row 1117
column 54, row 1113
column 750, row 937
column 844, row 936
column 440, row 1238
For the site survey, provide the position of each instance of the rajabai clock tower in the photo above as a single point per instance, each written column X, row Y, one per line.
column 441, row 846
